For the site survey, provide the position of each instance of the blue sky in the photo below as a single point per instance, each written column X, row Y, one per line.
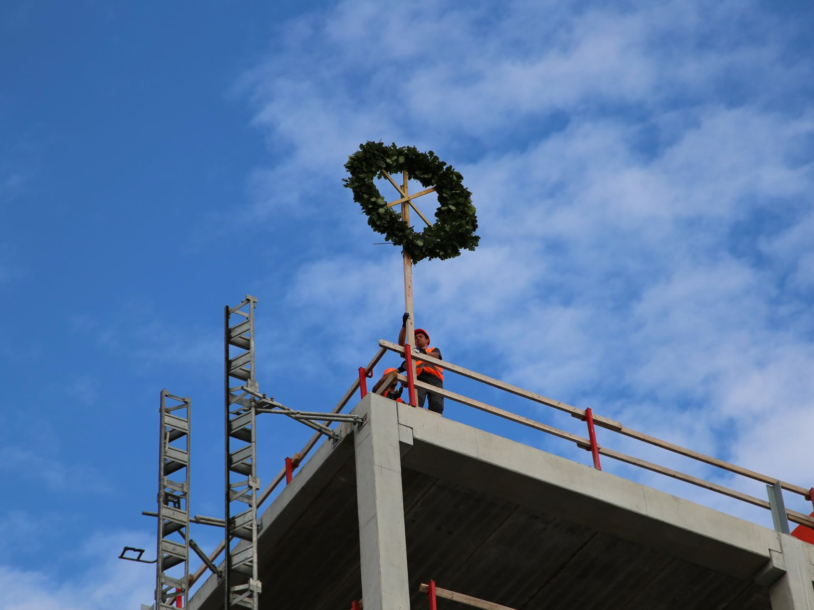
column 643, row 177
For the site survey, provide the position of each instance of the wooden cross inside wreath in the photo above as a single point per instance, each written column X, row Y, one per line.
column 455, row 218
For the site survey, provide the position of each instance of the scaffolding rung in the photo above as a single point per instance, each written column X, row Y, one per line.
column 168, row 582
column 242, row 520
column 242, row 600
column 173, row 548
column 242, row 496
column 176, row 422
column 241, row 342
column 170, row 562
column 173, row 397
column 244, row 469
column 170, row 527
column 241, row 400
column 240, row 361
column 244, row 374
column 241, row 455
column 244, row 533
column 177, row 515
column 174, row 435
column 238, row 329
column 243, row 434
column 242, row 556
column 170, row 467
column 175, row 454
column 239, row 422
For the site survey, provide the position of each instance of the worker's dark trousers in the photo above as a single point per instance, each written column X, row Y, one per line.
column 436, row 401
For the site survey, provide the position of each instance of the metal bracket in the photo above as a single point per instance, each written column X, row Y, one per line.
column 138, row 558
column 778, row 508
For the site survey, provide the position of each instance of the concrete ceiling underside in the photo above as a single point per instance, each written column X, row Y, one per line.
column 487, row 547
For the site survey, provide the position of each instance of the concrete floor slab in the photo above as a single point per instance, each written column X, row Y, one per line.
column 505, row 522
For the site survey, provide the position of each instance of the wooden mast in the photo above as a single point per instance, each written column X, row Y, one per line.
column 408, row 268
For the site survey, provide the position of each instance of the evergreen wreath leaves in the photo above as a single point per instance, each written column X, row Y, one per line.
column 455, row 219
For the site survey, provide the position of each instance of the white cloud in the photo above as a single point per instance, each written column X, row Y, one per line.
column 103, row 582
column 642, row 175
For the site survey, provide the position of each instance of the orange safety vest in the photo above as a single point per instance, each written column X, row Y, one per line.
column 426, row 367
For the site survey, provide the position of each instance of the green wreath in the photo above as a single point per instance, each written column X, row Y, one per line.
column 455, row 219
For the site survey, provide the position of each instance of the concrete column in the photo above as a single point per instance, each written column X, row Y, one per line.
column 793, row 590
column 382, row 539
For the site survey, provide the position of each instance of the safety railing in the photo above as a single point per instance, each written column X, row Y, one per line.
column 593, row 420
column 591, row 444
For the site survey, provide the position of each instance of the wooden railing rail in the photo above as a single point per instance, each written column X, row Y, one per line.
column 610, row 425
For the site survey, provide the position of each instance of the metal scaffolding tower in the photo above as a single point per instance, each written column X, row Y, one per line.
column 241, row 583
column 173, row 501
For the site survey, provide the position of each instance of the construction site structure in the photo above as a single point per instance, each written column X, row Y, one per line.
column 173, row 502
column 401, row 508
column 241, row 584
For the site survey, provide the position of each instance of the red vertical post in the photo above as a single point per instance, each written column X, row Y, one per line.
column 363, row 381
column 354, row 605
column 408, row 363
column 589, row 417
column 289, row 470
column 179, row 601
column 431, row 595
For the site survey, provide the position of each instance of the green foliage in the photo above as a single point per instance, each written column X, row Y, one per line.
column 455, row 219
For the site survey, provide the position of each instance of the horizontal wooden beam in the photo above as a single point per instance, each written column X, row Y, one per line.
column 711, row 461
column 463, row 599
column 495, row 383
column 482, row 406
column 792, row 515
column 622, row 457
column 603, row 422
column 411, row 196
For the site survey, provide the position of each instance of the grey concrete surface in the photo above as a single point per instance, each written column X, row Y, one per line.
column 383, row 546
column 511, row 524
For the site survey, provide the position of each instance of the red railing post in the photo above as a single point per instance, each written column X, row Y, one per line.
column 589, row 417
column 354, row 605
column 289, row 470
column 179, row 601
column 408, row 363
column 431, row 595
column 363, row 381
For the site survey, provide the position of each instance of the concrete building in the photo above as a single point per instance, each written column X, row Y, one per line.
column 410, row 497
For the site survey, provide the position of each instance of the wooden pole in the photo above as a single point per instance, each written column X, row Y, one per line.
column 408, row 272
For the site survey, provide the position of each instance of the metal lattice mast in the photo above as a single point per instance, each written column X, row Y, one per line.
column 241, row 584
column 173, row 502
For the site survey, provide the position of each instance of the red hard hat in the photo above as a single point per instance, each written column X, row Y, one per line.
column 422, row 331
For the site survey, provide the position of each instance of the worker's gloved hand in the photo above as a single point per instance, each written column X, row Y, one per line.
column 402, row 368
column 404, row 319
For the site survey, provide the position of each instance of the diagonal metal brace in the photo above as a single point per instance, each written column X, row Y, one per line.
column 263, row 404
column 194, row 546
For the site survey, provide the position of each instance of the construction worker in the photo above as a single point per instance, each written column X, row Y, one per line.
column 426, row 372
column 393, row 391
